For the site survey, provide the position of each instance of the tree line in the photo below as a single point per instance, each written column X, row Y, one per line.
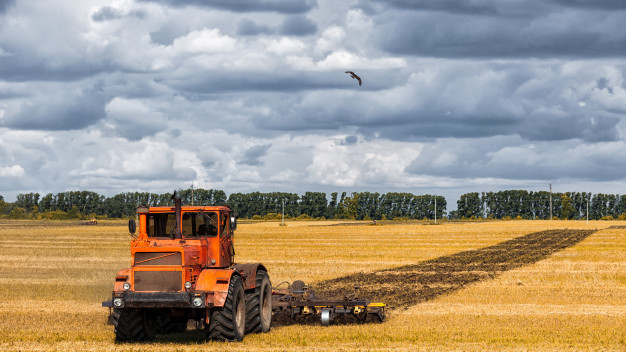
column 508, row 204
column 357, row 205
column 540, row 205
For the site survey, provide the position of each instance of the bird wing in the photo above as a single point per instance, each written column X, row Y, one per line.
column 354, row 75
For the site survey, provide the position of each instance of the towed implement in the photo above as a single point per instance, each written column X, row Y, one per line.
column 183, row 269
column 298, row 299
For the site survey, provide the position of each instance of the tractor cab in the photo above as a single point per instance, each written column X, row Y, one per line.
column 201, row 234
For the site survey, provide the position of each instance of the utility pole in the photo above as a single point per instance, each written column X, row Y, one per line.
column 191, row 193
column 283, row 224
column 550, row 200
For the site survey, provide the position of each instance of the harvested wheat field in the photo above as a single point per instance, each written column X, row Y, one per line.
column 483, row 286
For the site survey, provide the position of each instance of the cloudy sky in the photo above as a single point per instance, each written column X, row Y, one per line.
column 251, row 95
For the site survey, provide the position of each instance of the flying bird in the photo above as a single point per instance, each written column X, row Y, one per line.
column 353, row 75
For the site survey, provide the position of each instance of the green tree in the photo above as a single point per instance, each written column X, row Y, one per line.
column 348, row 207
column 314, row 204
column 331, row 210
column 567, row 208
column 469, row 205
column 17, row 213
column 27, row 201
column 74, row 213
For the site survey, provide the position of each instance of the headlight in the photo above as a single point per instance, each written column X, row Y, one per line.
column 126, row 286
column 197, row 301
column 188, row 284
column 117, row 302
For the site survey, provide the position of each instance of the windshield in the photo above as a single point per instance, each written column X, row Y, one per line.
column 194, row 224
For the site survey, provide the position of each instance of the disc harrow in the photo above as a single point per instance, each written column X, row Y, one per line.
column 298, row 299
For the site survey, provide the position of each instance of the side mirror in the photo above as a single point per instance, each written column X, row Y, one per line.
column 132, row 226
column 233, row 223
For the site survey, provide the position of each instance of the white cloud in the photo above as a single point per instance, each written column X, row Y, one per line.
column 330, row 40
column 361, row 165
column 283, row 46
column 204, row 41
column 12, row 171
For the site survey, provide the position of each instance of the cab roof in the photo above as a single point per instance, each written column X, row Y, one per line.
column 184, row 208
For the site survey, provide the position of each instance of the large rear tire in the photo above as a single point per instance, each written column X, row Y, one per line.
column 133, row 325
column 229, row 322
column 259, row 305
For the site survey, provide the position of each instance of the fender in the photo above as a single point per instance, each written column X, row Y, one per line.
column 121, row 277
column 215, row 282
column 248, row 272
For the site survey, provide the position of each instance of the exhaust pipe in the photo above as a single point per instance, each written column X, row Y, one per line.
column 177, row 206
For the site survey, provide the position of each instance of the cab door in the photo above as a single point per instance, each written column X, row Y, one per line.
column 227, row 250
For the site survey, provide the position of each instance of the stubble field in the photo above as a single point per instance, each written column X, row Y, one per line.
column 514, row 285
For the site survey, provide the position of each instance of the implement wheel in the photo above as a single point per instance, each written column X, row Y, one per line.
column 133, row 325
column 228, row 323
column 259, row 305
column 326, row 316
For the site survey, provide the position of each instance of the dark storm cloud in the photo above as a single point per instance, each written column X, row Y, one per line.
column 298, row 26
column 586, row 128
column 533, row 128
column 27, row 65
column 56, row 111
column 295, row 25
column 253, row 155
column 557, row 32
column 134, row 129
column 508, row 159
column 500, row 7
column 540, row 102
column 247, row 27
column 350, row 140
column 458, row 6
column 108, row 13
column 281, row 6
column 5, row 4
column 594, row 4
column 282, row 81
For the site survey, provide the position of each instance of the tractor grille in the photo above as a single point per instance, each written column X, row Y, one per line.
column 162, row 281
column 158, row 258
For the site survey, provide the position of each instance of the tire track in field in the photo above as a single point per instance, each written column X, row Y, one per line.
column 408, row 285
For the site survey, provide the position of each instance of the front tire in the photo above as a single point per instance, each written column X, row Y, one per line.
column 259, row 305
column 133, row 325
column 229, row 322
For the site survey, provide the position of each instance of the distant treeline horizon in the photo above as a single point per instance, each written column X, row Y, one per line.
column 509, row 204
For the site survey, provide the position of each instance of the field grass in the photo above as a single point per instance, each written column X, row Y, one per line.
column 53, row 276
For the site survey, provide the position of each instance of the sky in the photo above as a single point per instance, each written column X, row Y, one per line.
column 458, row 96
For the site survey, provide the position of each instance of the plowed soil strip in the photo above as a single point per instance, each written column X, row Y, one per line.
column 408, row 285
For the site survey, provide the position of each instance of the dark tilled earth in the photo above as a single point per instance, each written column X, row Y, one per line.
column 408, row 285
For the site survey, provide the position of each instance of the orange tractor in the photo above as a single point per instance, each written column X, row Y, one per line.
column 183, row 268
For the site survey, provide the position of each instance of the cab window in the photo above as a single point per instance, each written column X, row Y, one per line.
column 161, row 225
column 197, row 224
